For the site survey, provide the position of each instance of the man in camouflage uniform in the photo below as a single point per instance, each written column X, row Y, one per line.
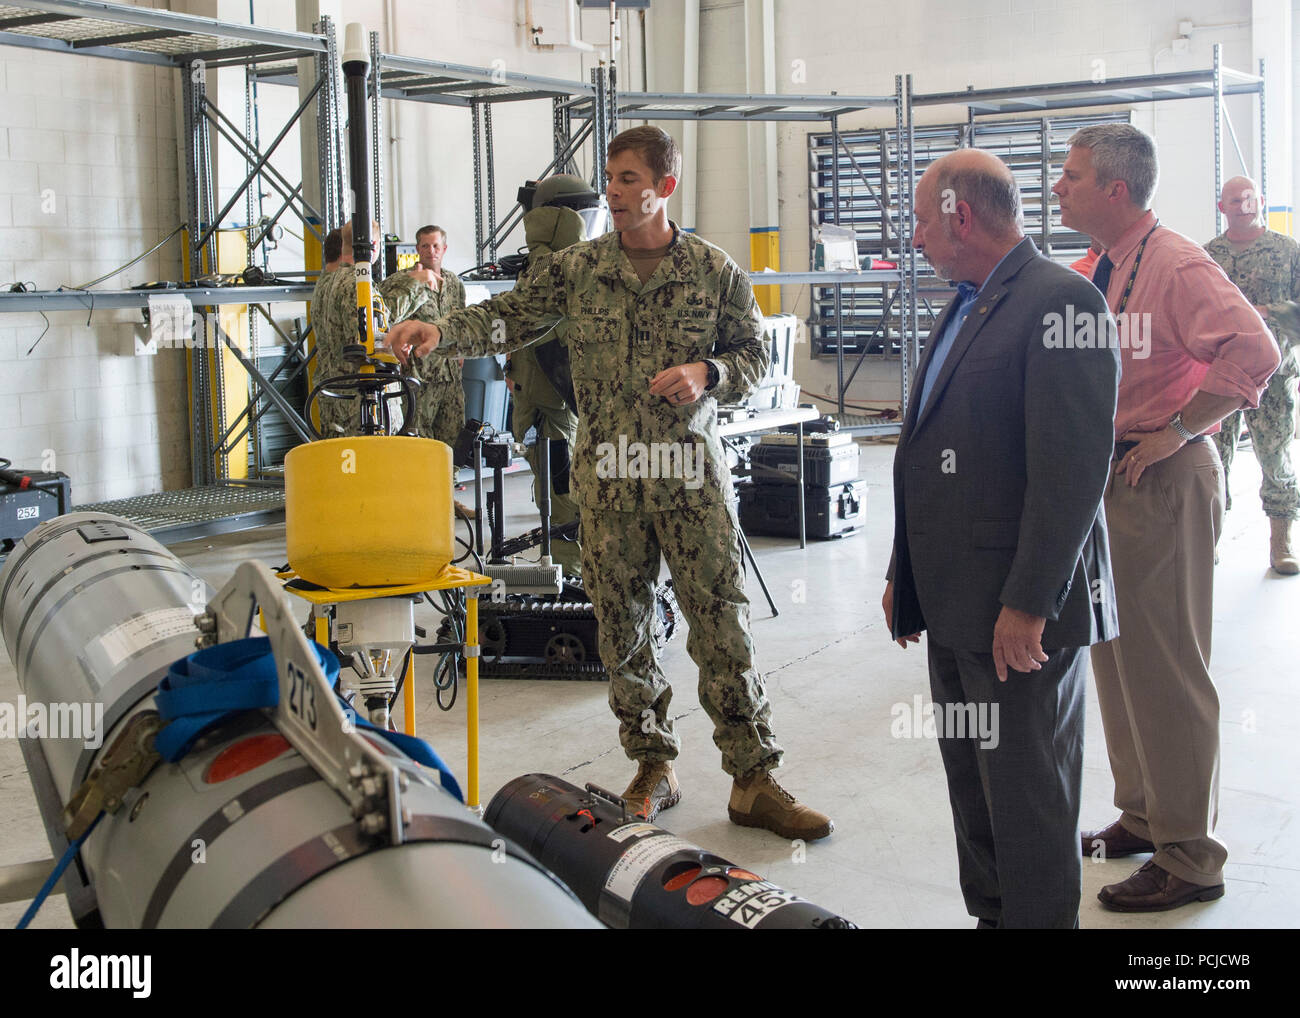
column 440, row 407
column 334, row 324
column 1266, row 268
column 662, row 325
column 331, row 255
column 547, row 229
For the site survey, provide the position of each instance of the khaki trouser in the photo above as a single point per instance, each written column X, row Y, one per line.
column 1159, row 706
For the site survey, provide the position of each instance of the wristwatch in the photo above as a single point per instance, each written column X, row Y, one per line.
column 1176, row 422
column 712, row 380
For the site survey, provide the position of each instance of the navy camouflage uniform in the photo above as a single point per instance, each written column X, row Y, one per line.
column 698, row 305
column 440, row 404
column 1267, row 272
column 335, row 325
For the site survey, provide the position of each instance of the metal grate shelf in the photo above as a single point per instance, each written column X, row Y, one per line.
column 176, row 516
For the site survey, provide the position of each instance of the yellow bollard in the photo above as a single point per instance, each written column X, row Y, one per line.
column 471, row 691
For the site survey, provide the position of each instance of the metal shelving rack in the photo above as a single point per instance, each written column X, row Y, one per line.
column 871, row 161
column 478, row 90
column 1214, row 83
column 590, row 112
column 191, row 46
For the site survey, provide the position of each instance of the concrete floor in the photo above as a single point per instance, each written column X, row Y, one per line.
column 833, row 677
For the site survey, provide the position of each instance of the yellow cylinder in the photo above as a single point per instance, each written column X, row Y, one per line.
column 371, row 511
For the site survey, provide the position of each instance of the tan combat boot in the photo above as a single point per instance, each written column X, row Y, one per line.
column 653, row 790
column 758, row 801
column 1280, row 555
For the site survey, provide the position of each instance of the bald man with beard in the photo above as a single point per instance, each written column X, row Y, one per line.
column 1000, row 546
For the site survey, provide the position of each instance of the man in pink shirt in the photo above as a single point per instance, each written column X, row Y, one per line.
column 1193, row 350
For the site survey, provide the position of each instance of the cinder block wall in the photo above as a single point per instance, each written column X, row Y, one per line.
column 88, row 180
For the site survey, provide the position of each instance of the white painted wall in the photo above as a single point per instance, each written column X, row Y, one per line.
column 87, row 182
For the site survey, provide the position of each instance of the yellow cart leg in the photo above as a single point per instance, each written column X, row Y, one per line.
column 323, row 630
column 471, row 691
column 408, row 695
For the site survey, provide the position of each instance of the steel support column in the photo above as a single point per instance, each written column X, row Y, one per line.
column 477, row 134
column 1218, row 136
column 839, row 289
column 491, row 183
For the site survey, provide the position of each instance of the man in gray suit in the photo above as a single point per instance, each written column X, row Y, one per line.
column 1000, row 548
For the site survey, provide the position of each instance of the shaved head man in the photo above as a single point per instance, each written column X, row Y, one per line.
column 1240, row 204
column 1000, row 541
column 1266, row 268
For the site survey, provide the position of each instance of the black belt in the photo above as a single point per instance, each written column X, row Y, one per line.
column 1122, row 448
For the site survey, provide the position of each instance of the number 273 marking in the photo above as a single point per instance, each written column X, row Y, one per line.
column 302, row 696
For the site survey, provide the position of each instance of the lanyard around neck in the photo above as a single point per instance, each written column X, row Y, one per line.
column 1128, row 287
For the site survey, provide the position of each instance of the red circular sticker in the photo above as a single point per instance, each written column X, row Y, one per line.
column 246, row 755
column 682, row 879
column 705, row 890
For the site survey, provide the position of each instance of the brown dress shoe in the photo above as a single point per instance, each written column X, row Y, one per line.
column 1116, row 842
column 1153, row 889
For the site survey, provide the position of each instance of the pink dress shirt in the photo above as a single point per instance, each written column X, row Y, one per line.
column 1202, row 333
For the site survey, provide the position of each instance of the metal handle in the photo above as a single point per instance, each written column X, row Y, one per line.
column 597, row 792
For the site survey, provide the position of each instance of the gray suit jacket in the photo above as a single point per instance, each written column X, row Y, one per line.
column 998, row 480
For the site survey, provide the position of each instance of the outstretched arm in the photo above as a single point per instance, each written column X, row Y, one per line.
column 507, row 322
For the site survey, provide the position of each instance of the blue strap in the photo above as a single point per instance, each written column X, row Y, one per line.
column 417, row 749
column 73, row 848
column 220, row 682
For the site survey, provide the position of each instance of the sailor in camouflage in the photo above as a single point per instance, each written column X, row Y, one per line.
column 658, row 336
column 440, row 403
column 335, row 324
column 440, row 408
column 1266, row 268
